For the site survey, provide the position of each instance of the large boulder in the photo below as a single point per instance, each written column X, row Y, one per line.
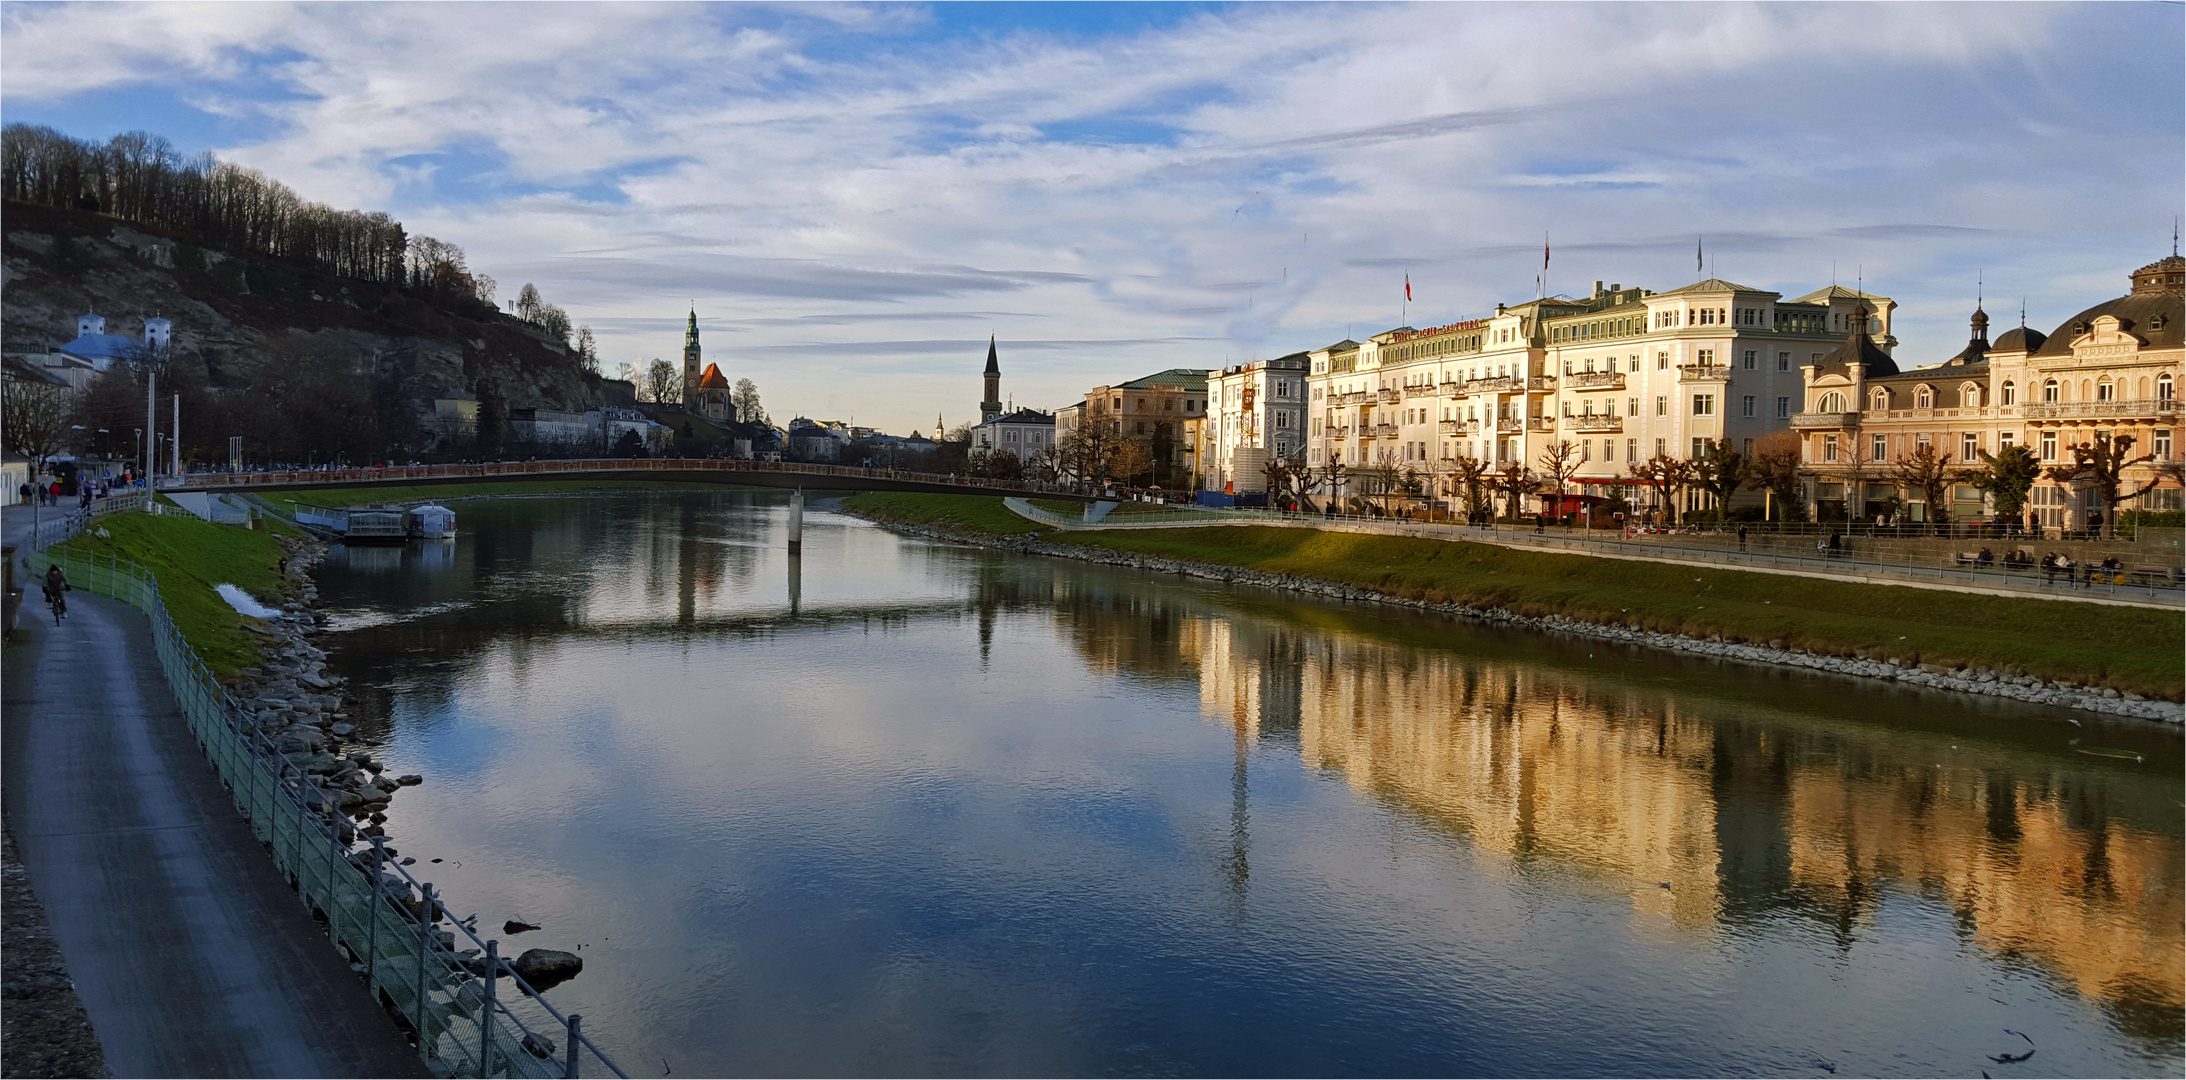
column 543, row 968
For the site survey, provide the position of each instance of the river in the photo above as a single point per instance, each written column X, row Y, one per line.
column 896, row 807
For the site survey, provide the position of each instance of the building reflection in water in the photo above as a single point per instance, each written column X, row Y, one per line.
column 1744, row 813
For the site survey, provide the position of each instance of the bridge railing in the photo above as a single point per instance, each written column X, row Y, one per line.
column 472, row 1015
column 490, row 470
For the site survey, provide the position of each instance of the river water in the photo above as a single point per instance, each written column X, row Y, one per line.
column 896, row 807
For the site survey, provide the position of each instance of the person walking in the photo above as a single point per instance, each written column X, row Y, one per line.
column 1741, row 538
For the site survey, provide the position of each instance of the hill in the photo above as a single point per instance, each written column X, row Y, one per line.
column 302, row 362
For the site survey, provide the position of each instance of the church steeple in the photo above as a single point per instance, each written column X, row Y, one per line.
column 991, row 406
column 690, row 355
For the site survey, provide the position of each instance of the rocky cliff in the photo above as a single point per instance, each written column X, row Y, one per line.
column 248, row 324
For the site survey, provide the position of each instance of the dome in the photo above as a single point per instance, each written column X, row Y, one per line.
column 2019, row 339
column 2163, row 276
column 2152, row 317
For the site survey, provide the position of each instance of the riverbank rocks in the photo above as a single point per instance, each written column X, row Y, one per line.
column 545, row 968
column 1902, row 667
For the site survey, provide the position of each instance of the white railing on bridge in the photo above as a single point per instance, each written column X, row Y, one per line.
column 494, row 470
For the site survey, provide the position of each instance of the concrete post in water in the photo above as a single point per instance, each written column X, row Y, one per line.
column 569, row 1059
column 797, row 519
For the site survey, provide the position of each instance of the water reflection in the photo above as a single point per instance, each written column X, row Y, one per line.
column 937, row 810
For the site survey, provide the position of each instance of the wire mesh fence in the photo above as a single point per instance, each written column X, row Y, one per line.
column 468, row 1010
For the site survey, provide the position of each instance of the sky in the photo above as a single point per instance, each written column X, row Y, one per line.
column 855, row 197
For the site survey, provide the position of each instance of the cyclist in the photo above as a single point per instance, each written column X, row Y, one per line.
column 56, row 585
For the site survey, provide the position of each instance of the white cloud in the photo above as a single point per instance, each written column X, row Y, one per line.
column 1256, row 180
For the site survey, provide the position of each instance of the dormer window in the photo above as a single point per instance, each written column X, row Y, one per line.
column 1924, row 398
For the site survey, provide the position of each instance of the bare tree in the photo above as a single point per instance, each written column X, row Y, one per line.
column 527, row 303
column 588, row 351
column 1776, row 468
column 744, row 403
column 1514, row 483
column 33, row 415
column 1129, row 461
column 1857, row 468
column 1720, row 472
column 1928, row 472
column 1470, row 481
column 1559, row 460
column 662, row 383
column 2101, row 463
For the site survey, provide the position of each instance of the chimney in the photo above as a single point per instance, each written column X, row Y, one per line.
column 1597, row 288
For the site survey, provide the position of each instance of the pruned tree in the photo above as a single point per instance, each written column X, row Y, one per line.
column 34, row 418
column 2007, row 476
column 1469, row 482
column 2100, row 463
column 1926, row 471
column 1514, row 483
column 1558, row 461
column 1777, row 468
column 1720, row 472
column 1857, row 468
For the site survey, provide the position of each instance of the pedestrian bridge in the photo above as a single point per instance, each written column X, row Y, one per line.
column 775, row 474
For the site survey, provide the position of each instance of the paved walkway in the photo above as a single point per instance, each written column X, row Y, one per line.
column 191, row 954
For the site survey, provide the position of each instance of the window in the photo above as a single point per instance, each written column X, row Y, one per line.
column 2049, row 390
column 1703, row 404
column 1783, row 361
column 2004, row 440
column 1707, row 358
column 1879, row 400
column 1633, row 363
column 1631, row 449
column 2049, row 446
column 1662, row 404
column 1752, row 358
column 2161, row 446
column 1662, row 361
column 1832, row 402
column 1829, row 448
column 1631, row 406
column 2163, row 387
column 1700, row 448
column 1783, row 408
column 1567, row 366
column 1924, row 398
column 1969, row 446
column 1746, row 448
column 1878, row 448
column 1586, row 449
column 1745, row 405
column 2106, row 391
column 1921, row 441
column 2008, row 394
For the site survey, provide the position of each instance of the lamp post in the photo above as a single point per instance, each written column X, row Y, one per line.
column 137, row 442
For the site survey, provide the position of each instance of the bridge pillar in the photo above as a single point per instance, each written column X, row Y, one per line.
column 797, row 520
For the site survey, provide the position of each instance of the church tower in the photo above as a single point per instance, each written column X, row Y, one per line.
column 992, row 406
column 690, row 356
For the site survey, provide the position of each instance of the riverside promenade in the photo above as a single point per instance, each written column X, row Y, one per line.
column 190, row 953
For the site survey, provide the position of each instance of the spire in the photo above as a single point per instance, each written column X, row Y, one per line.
column 993, row 366
column 690, row 329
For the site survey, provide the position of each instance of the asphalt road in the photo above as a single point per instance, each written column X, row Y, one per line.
column 191, row 954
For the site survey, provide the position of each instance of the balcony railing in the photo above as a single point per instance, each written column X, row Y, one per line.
column 1385, row 431
column 1541, row 423
column 1508, row 423
column 1595, row 380
column 1390, row 395
column 1594, row 422
column 1332, row 431
column 1352, row 397
column 1452, row 388
column 1450, row 427
column 1699, row 372
column 2134, row 407
column 1504, row 383
column 1825, row 420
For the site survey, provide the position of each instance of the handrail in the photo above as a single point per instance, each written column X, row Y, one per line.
column 493, row 469
column 375, row 910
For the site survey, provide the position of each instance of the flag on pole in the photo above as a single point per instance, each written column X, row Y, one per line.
column 1407, row 286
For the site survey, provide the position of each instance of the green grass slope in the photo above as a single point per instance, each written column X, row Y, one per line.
column 189, row 557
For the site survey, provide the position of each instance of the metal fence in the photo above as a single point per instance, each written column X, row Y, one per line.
column 469, row 1011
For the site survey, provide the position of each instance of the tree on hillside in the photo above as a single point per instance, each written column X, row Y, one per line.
column 2007, row 476
column 1927, row 473
column 34, row 418
column 744, row 403
column 662, row 383
column 527, row 303
column 587, row 350
column 1777, row 469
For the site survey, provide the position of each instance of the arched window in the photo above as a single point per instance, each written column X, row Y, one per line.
column 2163, row 387
column 1832, row 402
column 2008, row 394
column 1924, row 398
column 2106, row 390
column 2049, row 390
column 1879, row 399
column 1969, row 396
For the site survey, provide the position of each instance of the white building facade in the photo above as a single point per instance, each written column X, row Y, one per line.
column 1256, row 413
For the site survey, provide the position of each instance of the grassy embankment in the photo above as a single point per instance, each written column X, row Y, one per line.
column 189, row 557
column 2135, row 649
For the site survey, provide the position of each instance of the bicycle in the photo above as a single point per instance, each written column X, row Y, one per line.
column 58, row 601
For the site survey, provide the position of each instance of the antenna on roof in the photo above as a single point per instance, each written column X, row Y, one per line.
column 2022, row 313
column 1978, row 275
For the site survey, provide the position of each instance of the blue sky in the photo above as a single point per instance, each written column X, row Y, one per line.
column 856, row 196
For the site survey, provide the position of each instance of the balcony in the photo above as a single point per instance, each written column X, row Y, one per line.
column 1702, row 372
column 1507, row 383
column 1453, row 388
column 1595, row 380
column 1825, row 420
column 1354, row 397
column 1384, row 431
column 1541, row 423
column 1594, row 422
column 2151, row 408
column 1508, row 423
column 1334, row 432
column 1450, row 427
column 1390, row 395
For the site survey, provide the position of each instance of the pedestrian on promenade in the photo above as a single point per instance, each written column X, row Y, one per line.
column 1741, row 538
column 24, row 490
